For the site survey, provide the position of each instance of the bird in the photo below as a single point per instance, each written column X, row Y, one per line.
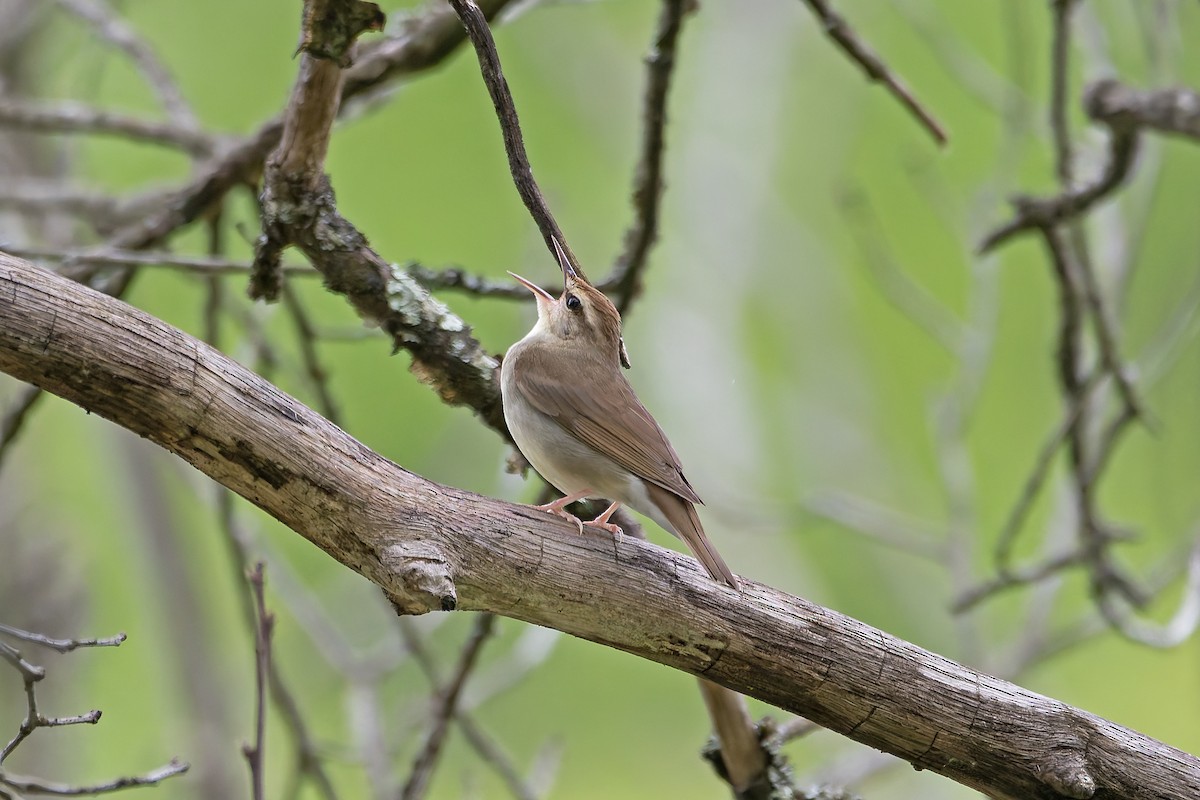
column 579, row 423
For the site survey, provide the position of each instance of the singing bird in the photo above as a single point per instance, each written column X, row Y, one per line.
column 577, row 420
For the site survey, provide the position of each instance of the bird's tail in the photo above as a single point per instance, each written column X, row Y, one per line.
column 685, row 524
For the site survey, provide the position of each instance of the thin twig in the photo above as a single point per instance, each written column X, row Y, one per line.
column 1073, row 265
column 1124, row 113
column 480, row 34
column 488, row 750
column 117, row 257
column 1094, row 534
column 1033, row 213
column 904, row 294
column 152, row 778
column 1175, row 631
column 265, row 625
column 1106, row 337
column 836, row 28
column 114, row 30
column 1013, row 578
column 794, row 728
column 648, row 179
column 15, row 416
column 306, row 335
column 880, row 524
column 1059, row 73
column 60, row 645
column 458, row 279
column 72, row 117
column 443, row 712
column 12, row 785
column 1064, row 167
column 1171, row 111
column 42, row 196
column 308, row 762
column 1041, row 470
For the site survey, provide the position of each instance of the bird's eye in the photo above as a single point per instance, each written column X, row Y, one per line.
column 573, row 302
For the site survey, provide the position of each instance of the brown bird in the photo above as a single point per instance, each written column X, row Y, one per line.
column 577, row 420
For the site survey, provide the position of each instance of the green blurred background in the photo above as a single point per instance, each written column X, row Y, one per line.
column 766, row 343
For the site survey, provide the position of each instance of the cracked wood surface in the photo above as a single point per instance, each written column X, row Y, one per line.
column 433, row 547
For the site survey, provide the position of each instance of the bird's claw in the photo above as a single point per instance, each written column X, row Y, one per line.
column 612, row 528
column 559, row 511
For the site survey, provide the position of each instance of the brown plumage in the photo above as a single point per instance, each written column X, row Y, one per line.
column 579, row 423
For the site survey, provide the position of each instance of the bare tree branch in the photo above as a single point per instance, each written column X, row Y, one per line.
column 1171, row 111
column 444, row 710
column 1059, row 74
column 493, row 556
column 60, row 645
column 1033, row 213
column 648, row 183
column 487, row 749
column 117, row 32
column 69, row 117
column 1124, row 112
column 101, row 210
column 14, row 418
column 31, row 674
column 264, row 628
column 73, row 259
column 308, row 762
column 299, row 209
column 744, row 760
column 476, row 24
column 36, row 786
column 837, row 29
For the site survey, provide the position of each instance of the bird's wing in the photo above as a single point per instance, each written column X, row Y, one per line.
column 607, row 416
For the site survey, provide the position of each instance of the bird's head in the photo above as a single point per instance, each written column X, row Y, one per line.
column 581, row 316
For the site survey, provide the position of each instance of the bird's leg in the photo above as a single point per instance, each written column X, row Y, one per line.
column 602, row 522
column 559, row 507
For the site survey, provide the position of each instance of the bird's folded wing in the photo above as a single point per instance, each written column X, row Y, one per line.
column 607, row 416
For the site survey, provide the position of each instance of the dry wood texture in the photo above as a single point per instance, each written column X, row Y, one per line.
column 434, row 547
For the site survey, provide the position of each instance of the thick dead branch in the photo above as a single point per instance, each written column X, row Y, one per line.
column 434, row 547
column 299, row 209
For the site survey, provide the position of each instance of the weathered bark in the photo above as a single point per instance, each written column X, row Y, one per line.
column 434, row 547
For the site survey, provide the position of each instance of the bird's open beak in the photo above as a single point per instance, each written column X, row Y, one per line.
column 538, row 292
column 564, row 263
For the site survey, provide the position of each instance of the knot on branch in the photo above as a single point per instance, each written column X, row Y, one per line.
column 417, row 578
column 1066, row 772
column 1120, row 107
column 331, row 26
column 1108, row 102
column 302, row 210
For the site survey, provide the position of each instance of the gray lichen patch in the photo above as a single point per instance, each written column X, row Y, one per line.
column 416, row 310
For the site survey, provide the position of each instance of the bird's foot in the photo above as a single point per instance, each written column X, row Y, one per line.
column 612, row 528
column 602, row 522
column 559, row 507
column 562, row 512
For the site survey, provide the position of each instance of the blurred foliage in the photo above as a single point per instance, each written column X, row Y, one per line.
column 764, row 343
